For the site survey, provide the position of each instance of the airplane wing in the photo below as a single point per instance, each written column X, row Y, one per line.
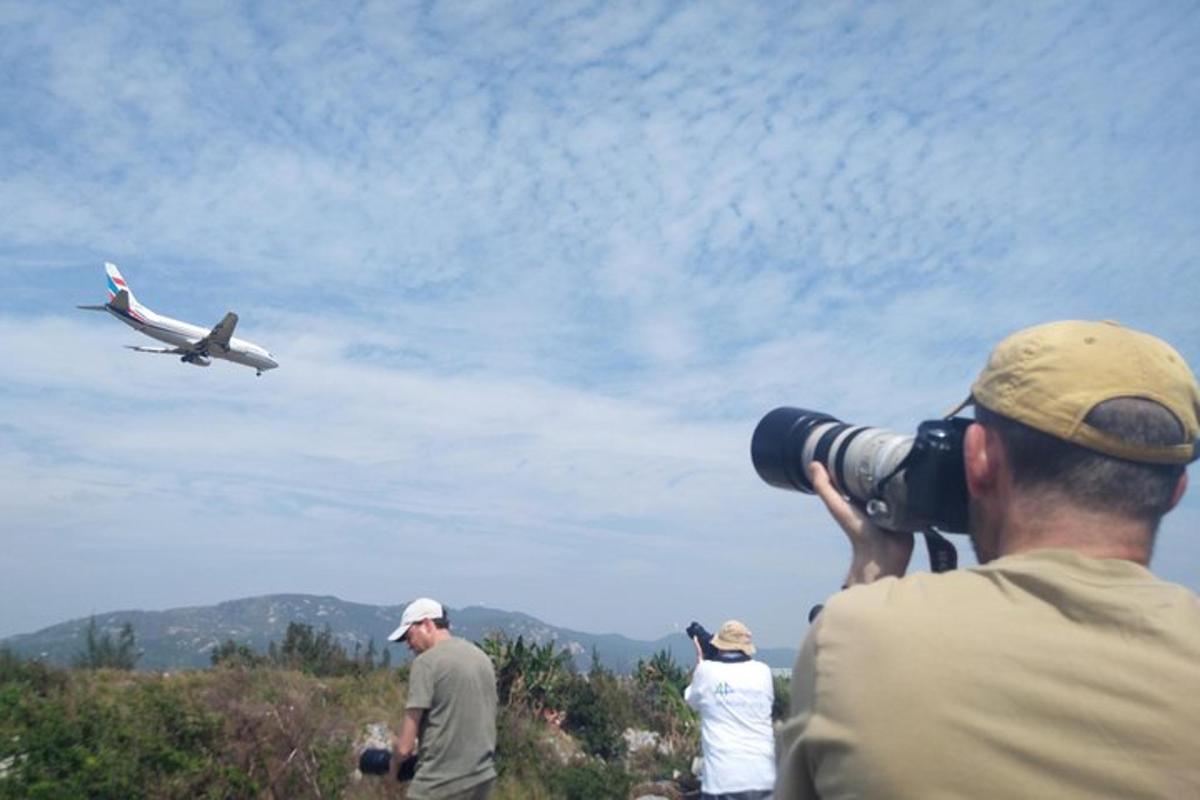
column 220, row 335
column 178, row 351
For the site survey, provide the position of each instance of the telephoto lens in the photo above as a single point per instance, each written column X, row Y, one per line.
column 378, row 761
column 903, row 482
column 375, row 761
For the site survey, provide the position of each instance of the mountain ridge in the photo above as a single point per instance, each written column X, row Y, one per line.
column 183, row 638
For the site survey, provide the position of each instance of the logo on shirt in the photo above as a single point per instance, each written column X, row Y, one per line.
column 723, row 689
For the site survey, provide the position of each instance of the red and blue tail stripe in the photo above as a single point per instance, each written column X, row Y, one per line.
column 115, row 284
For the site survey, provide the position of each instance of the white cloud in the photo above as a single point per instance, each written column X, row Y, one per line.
column 534, row 273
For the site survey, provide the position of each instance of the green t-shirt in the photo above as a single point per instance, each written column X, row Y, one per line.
column 454, row 684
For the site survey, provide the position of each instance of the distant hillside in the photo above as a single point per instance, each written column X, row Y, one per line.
column 183, row 637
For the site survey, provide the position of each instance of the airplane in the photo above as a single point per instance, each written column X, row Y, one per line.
column 193, row 344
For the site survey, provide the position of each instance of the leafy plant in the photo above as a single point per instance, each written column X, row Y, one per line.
column 529, row 676
column 659, row 685
column 783, row 697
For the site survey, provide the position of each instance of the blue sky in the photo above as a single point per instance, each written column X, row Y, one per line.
column 534, row 272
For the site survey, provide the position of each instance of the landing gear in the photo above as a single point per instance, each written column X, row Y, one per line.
column 258, row 374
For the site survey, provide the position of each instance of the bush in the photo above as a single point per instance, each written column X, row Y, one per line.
column 533, row 677
column 593, row 780
column 783, row 697
column 306, row 650
column 598, row 710
column 232, row 654
column 99, row 739
column 658, row 698
column 253, row 728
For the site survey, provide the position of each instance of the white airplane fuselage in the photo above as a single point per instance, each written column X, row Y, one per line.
column 192, row 343
column 184, row 334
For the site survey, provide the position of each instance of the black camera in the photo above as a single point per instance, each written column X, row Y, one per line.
column 378, row 761
column 903, row 483
column 710, row 652
column 696, row 631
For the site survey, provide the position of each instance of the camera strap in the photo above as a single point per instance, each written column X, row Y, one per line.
column 942, row 555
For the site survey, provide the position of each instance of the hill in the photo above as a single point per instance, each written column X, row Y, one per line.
column 182, row 638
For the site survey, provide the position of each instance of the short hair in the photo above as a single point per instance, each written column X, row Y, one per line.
column 1136, row 490
column 442, row 622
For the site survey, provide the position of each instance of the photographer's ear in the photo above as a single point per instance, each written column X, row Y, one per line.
column 983, row 457
column 1180, row 488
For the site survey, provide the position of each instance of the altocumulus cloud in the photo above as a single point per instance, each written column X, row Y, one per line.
column 535, row 271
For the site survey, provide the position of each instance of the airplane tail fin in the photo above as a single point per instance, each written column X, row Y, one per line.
column 119, row 293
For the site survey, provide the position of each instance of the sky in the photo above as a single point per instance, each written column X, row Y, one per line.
column 534, row 272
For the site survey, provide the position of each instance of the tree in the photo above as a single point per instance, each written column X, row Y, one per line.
column 101, row 652
column 234, row 654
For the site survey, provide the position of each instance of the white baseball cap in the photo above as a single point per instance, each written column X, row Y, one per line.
column 417, row 611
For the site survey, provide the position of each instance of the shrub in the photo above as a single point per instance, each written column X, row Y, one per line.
column 97, row 738
column 533, row 677
column 598, row 711
column 658, row 698
column 232, row 654
column 783, row 697
column 592, row 780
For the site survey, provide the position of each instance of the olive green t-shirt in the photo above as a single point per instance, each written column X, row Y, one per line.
column 453, row 682
column 1040, row 675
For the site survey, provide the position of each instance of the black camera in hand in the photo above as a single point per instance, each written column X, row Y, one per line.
column 902, row 482
column 378, row 761
column 696, row 631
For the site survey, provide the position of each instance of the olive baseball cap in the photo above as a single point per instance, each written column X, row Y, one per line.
column 1051, row 376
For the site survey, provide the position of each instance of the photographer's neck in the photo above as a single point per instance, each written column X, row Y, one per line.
column 1039, row 521
column 1006, row 519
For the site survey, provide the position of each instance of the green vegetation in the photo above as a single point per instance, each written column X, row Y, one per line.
column 290, row 723
column 307, row 651
column 101, row 652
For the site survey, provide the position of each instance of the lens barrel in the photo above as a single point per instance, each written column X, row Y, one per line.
column 375, row 761
column 777, row 447
column 904, row 483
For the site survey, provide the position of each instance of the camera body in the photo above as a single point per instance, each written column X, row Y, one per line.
column 696, row 631
column 902, row 482
column 378, row 761
column 708, row 651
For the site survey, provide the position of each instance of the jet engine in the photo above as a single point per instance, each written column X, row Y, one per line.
column 196, row 360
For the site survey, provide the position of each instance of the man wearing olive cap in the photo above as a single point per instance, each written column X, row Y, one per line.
column 1059, row 667
column 450, row 711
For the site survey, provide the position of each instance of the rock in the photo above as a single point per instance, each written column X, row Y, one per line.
column 656, row 790
column 638, row 740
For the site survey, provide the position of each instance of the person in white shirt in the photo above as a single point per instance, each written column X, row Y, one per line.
column 733, row 694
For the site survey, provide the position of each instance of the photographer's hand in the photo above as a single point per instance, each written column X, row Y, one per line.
column 876, row 553
column 406, row 744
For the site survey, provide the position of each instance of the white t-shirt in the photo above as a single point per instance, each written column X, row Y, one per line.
column 736, row 736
